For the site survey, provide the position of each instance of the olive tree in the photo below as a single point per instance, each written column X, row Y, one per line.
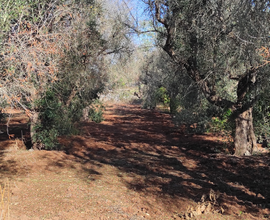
column 158, row 70
column 218, row 44
column 53, row 45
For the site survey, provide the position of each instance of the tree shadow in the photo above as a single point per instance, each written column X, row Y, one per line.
column 156, row 159
column 8, row 167
column 163, row 161
column 14, row 134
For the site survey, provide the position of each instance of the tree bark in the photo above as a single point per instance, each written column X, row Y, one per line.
column 33, row 121
column 245, row 140
column 173, row 105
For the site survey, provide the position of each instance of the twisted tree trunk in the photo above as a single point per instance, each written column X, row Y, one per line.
column 245, row 140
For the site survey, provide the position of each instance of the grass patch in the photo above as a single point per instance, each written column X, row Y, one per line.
column 5, row 200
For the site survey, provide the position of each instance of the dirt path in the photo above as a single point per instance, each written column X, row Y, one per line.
column 135, row 165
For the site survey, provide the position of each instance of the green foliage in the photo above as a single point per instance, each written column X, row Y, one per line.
column 122, row 82
column 54, row 120
column 60, row 112
column 218, row 48
column 204, row 117
column 47, row 138
column 165, row 82
column 96, row 111
column 49, row 112
column 156, row 95
column 261, row 118
column 62, row 51
column 162, row 96
column 194, row 120
column 223, row 124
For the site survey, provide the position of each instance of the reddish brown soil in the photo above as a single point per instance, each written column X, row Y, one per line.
column 134, row 165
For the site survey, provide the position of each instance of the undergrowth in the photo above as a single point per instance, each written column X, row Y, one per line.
column 57, row 118
column 96, row 110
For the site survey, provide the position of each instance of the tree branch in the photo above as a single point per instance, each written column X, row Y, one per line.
column 190, row 65
column 142, row 32
column 203, row 84
column 244, row 83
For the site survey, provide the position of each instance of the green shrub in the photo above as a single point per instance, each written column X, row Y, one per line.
column 261, row 119
column 95, row 112
column 156, row 96
column 55, row 119
column 206, row 117
column 222, row 124
column 162, row 96
column 191, row 117
column 47, row 138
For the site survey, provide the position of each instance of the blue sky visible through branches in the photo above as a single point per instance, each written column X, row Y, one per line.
column 141, row 21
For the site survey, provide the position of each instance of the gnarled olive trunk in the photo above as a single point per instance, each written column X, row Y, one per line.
column 245, row 140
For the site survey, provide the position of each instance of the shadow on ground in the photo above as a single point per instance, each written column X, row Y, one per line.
column 156, row 159
column 164, row 161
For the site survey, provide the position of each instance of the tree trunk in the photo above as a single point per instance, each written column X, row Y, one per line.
column 245, row 140
column 33, row 121
column 85, row 111
column 173, row 105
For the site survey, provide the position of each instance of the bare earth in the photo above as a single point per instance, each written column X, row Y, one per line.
column 135, row 165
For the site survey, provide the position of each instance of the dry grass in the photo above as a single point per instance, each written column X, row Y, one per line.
column 5, row 200
column 208, row 204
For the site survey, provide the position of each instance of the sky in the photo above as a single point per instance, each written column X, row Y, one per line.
column 138, row 8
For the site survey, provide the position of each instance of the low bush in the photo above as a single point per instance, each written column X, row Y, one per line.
column 223, row 124
column 55, row 119
column 95, row 112
column 261, row 120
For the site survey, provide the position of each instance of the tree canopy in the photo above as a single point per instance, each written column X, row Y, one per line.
column 218, row 45
column 59, row 46
column 69, row 51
